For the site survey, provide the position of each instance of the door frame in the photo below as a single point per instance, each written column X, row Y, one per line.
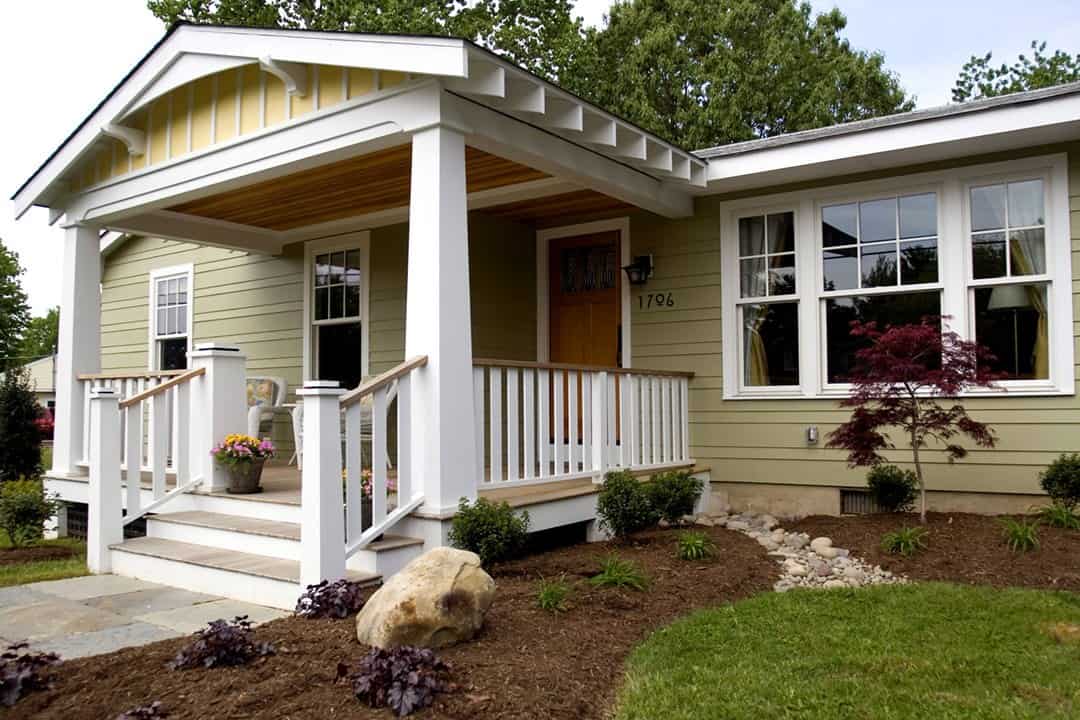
column 543, row 286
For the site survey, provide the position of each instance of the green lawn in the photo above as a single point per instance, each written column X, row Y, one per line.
column 21, row 573
column 46, row 457
column 919, row 651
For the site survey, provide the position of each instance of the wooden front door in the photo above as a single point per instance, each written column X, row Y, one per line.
column 585, row 291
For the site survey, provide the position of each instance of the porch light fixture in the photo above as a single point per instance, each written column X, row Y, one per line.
column 639, row 271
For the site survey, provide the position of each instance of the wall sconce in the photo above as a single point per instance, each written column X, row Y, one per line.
column 639, row 271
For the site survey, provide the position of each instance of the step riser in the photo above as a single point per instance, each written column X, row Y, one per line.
column 212, row 581
column 385, row 562
column 225, row 539
column 279, row 512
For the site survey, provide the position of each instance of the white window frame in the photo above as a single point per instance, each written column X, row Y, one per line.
column 954, row 270
column 350, row 241
column 167, row 273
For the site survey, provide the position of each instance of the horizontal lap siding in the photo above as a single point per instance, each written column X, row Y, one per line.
column 763, row 441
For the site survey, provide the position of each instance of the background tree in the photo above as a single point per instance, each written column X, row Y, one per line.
column 40, row 337
column 14, row 310
column 900, row 382
column 979, row 79
column 20, row 438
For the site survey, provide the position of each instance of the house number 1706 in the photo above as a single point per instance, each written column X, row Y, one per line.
column 655, row 300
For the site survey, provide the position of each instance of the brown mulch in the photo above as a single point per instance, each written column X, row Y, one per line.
column 18, row 556
column 961, row 548
column 526, row 663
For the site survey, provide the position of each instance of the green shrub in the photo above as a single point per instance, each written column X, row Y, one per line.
column 1021, row 535
column 623, row 505
column 906, row 541
column 552, row 594
column 695, row 546
column 1059, row 516
column 24, row 508
column 20, row 436
column 673, row 494
column 615, row 572
column 491, row 530
column 1061, row 480
column 893, row 489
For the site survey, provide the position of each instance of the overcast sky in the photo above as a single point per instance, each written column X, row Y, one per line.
column 62, row 56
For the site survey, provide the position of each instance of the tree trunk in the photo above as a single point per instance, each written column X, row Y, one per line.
column 918, row 465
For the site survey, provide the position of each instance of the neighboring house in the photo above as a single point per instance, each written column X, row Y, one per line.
column 337, row 206
column 42, row 374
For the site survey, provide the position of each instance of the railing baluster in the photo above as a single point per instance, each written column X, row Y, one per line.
column 646, row 416
column 543, row 423
column 684, row 391
column 478, row 404
column 182, row 434
column 559, row 380
column 626, row 421
column 354, row 451
column 572, row 420
column 513, row 471
column 654, row 419
column 599, row 420
column 133, row 420
column 586, row 421
column 495, row 421
column 378, row 455
column 88, row 387
column 612, row 422
column 159, row 443
column 528, row 425
column 666, row 453
column 404, row 441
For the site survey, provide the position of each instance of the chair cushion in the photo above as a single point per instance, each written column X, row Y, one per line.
column 260, row 391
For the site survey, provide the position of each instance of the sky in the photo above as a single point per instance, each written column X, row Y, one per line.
column 79, row 50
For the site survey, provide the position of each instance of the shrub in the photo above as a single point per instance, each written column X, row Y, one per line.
column 153, row 711
column 22, row 672
column 552, row 595
column 695, row 546
column 222, row 643
column 491, row 530
column 46, row 426
column 24, row 508
column 1020, row 535
column 338, row 599
column 906, row 541
column 623, row 505
column 615, row 572
column 673, row 494
column 1061, row 480
column 20, row 451
column 893, row 489
column 405, row 679
column 1060, row 516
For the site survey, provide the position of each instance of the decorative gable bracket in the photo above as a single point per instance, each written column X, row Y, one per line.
column 133, row 139
column 293, row 74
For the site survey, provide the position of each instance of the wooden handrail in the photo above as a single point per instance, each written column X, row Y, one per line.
column 490, row 362
column 163, row 387
column 354, row 396
column 131, row 376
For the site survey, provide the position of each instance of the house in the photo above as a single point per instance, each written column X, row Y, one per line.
column 507, row 291
column 42, row 374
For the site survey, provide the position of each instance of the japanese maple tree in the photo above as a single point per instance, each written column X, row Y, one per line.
column 907, row 379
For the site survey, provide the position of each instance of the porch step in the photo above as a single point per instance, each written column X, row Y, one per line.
column 238, row 575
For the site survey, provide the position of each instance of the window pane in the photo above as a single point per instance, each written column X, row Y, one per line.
column 1028, row 249
column 352, row 301
column 890, row 309
column 181, row 319
column 1026, row 203
column 181, row 291
column 752, row 277
column 172, row 354
column 171, row 299
column 1012, row 321
column 162, row 292
column 771, row 344
column 918, row 215
column 162, row 322
column 839, row 225
column 782, row 274
column 918, row 262
column 337, row 268
column 322, row 303
column 988, row 255
column 337, row 301
column 988, row 207
column 877, row 220
column 352, row 270
column 841, row 268
column 339, row 354
column 322, row 270
column 781, row 232
column 751, row 236
column 879, row 265
column 170, row 318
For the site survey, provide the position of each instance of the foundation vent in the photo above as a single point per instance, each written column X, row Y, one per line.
column 857, row 502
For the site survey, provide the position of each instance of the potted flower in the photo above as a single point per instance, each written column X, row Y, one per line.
column 243, row 456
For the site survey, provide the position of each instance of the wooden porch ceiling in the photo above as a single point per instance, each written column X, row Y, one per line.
column 380, row 181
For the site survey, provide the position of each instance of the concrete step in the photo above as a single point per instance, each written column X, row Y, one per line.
column 248, row 577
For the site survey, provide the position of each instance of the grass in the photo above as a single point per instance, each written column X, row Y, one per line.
column 888, row 652
column 616, row 572
column 38, row 570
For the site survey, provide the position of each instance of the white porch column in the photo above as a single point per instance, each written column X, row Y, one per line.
column 105, row 519
column 322, row 515
column 79, row 341
column 438, row 321
column 218, row 408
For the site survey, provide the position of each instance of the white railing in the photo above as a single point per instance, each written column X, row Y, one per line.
column 538, row 422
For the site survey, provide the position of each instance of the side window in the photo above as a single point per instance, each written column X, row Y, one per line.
column 170, row 295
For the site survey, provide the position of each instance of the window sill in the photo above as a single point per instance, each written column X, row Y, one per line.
column 1007, row 390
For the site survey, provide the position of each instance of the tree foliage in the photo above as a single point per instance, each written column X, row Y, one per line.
column 20, row 436
column 981, row 79
column 900, row 381
column 14, row 309
column 40, row 337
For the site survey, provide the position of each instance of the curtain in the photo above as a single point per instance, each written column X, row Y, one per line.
column 1027, row 252
column 756, row 363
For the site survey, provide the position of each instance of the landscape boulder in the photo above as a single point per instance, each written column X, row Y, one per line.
column 438, row 599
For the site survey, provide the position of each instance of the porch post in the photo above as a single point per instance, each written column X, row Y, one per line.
column 438, row 321
column 218, row 408
column 79, row 341
column 322, row 517
column 104, row 521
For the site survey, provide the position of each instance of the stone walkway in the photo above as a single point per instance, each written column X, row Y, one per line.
column 101, row 613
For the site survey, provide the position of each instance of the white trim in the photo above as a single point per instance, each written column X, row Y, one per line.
column 954, row 269
column 357, row 240
column 543, row 290
column 186, row 270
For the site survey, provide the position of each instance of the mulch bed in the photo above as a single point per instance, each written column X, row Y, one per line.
column 526, row 663
column 962, row 548
column 19, row 556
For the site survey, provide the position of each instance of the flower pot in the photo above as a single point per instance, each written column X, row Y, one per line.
column 244, row 477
